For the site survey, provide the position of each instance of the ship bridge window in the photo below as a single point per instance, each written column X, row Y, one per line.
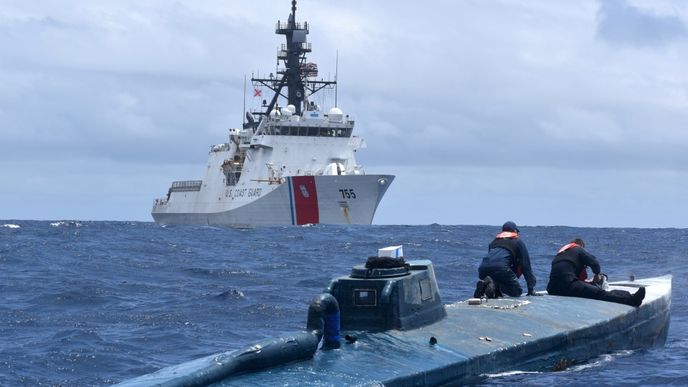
column 330, row 132
column 310, row 131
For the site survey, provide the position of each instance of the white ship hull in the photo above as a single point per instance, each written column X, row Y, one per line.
column 347, row 199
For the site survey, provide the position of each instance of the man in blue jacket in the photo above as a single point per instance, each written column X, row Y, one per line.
column 506, row 259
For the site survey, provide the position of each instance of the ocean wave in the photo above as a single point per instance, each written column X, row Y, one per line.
column 65, row 224
column 218, row 273
column 231, row 294
column 129, row 296
column 10, row 225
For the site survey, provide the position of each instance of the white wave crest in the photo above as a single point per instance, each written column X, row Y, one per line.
column 63, row 224
column 11, row 225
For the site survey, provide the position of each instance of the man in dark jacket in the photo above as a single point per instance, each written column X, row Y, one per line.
column 568, row 275
column 507, row 258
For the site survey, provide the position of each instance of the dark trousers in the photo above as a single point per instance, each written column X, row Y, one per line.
column 504, row 278
column 577, row 288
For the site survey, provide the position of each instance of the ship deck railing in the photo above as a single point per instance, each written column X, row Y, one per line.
column 282, row 27
column 304, row 47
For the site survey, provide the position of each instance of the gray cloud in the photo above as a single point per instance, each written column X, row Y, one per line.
column 620, row 22
column 460, row 93
column 114, row 116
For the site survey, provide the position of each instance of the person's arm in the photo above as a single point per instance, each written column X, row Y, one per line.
column 527, row 270
column 590, row 260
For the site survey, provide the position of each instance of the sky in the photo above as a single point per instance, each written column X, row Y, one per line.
column 538, row 111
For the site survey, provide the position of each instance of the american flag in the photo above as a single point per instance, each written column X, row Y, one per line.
column 309, row 69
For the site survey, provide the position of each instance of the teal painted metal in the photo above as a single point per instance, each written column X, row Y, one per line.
column 526, row 333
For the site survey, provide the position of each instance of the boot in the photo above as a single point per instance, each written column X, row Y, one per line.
column 491, row 290
column 638, row 297
column 479, row 289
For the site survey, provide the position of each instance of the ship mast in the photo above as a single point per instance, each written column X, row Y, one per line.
column 297, row 47
column 296, row 70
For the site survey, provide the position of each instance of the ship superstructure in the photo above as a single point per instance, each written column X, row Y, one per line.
column 288, row 164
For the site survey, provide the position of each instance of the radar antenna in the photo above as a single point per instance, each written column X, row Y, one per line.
column 296, row 70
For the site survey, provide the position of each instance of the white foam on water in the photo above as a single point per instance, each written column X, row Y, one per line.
column 600, row 361
column 510, row 373
column 63, row 223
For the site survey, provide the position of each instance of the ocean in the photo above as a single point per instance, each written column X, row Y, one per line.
column 95, row 303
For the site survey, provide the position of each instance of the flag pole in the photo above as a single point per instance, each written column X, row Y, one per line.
column 243, row 114
column 336, row 71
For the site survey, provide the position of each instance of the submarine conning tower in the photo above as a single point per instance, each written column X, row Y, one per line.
column 388, row 293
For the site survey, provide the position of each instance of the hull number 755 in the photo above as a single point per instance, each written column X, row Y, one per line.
column 348, row 193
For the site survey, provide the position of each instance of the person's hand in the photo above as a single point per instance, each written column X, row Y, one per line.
column 531, row 292
column 597, row 279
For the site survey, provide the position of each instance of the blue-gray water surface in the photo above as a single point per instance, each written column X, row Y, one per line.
column 96, row 303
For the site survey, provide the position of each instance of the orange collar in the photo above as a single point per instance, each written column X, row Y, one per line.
column 569, row 246
column 507, row 235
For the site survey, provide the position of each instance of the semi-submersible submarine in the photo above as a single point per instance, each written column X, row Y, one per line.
column 385, row 324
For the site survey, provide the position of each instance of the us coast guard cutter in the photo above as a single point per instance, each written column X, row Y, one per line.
column 292, row 164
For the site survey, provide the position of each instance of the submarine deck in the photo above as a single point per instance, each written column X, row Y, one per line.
column 525, row 333
column 530, row 333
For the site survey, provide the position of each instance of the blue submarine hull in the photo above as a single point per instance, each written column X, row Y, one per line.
column 545, row 333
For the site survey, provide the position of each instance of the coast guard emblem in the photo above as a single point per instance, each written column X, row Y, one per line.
column 304, row 191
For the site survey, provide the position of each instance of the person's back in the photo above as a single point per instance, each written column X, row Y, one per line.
column 568, row 274
column 497, row 258
column 569, row 265
column 507, row 258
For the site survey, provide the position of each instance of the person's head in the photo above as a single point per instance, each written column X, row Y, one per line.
column 579, row 242
column 510, row 226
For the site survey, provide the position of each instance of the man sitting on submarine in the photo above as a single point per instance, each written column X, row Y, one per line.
column 569, row 272
column 507, row 258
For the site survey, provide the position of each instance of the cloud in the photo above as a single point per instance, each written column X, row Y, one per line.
column 535, row 196
column 67, row 114
column 619, row 22
column 469, row 91
column 520, row 86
